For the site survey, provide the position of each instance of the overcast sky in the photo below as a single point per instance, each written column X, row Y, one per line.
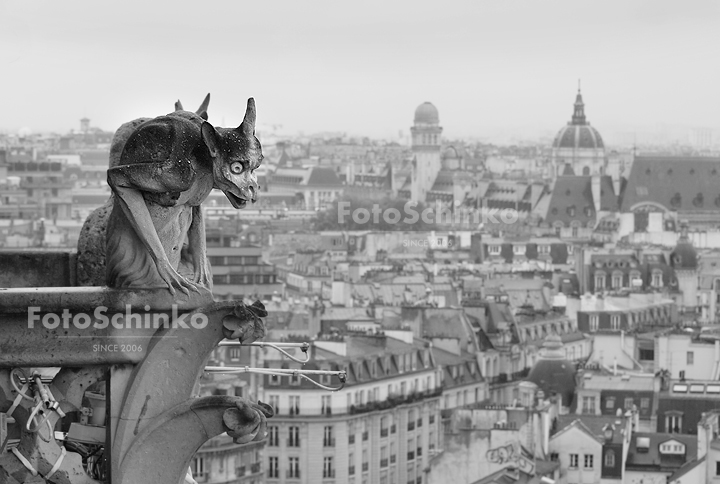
column 362, row 67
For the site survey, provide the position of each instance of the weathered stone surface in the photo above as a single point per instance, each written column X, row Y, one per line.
column 36, row 267
column 91, row 247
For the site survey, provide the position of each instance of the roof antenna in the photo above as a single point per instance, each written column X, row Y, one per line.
column 578, row 85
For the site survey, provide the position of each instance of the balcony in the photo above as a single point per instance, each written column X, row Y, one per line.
column 293, row 474
column 293, row 442
column 383, row 432
column 256, row 468
column 295, row 410
column 240, row 471
column 394, row 401
column 329, row 442
column 328, row 473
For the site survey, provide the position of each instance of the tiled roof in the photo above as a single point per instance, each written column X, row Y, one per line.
column 324, row 177
column 572, row 200
column 676, row 183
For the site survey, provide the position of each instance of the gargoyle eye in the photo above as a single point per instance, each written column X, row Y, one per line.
column 236, row 167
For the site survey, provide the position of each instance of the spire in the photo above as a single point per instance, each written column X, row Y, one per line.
column 579, row 113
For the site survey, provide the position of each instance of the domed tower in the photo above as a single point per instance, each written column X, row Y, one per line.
column 578, row 148
column 426, row 141
column 684, row 261
column 552, row 373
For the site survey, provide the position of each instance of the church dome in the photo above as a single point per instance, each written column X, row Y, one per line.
column 575, row 136
column 578, row 133
column 426, row 113
column 552, row 373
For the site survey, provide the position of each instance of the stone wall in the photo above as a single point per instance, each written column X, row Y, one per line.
column 37, row 268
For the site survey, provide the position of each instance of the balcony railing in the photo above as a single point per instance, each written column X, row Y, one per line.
column 328, row 473
column 293, row 442
column 293, row 474
column 240, row 471
column 256, row 468
column 384, row 432
column 328, row 442
column 394, row 401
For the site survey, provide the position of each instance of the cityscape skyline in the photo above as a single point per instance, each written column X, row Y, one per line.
column 487, row 67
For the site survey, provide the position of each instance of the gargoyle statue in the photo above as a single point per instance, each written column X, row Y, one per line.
column 166, row 169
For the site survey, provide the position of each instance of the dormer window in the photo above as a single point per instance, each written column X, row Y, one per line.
column 494, row 249
column 519, row 249
column 657, row 278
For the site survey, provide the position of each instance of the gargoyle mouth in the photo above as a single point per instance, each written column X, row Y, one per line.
column 237, row 202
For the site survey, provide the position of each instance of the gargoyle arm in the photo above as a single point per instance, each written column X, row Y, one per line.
column 197, row 243
column 133, row 206
column 158, row 177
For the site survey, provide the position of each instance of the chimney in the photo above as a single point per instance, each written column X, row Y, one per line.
column 595, row 185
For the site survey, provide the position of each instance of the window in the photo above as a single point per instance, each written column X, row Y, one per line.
column 610, row 403
column 588, row 463
column 609, row 458
column 234, row 353
column 294, row 404
column 599, row 281
column 588, row 405
column 328, row 440
column 617, row 280
column 573, row 460
column 657, row 279
column 647, row 355
column 273, row 468
column 519, row 249
column 690, row 358
column 325, row 405
column 294, row 468
column 629, row 403
column 644, row 403
column 274, row 402
column 293, row 436
column 273, row 436
column 494, row 249
column 594, row 322
column 328, row 470
column 198, row 466
column 673, row 423
column 615, row 322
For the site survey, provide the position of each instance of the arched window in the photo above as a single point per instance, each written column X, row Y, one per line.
column 609, row 458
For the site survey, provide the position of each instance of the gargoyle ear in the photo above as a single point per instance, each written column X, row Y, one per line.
column 247, row 127
column 202, row 110
column 178, row 106
column 211, row 138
